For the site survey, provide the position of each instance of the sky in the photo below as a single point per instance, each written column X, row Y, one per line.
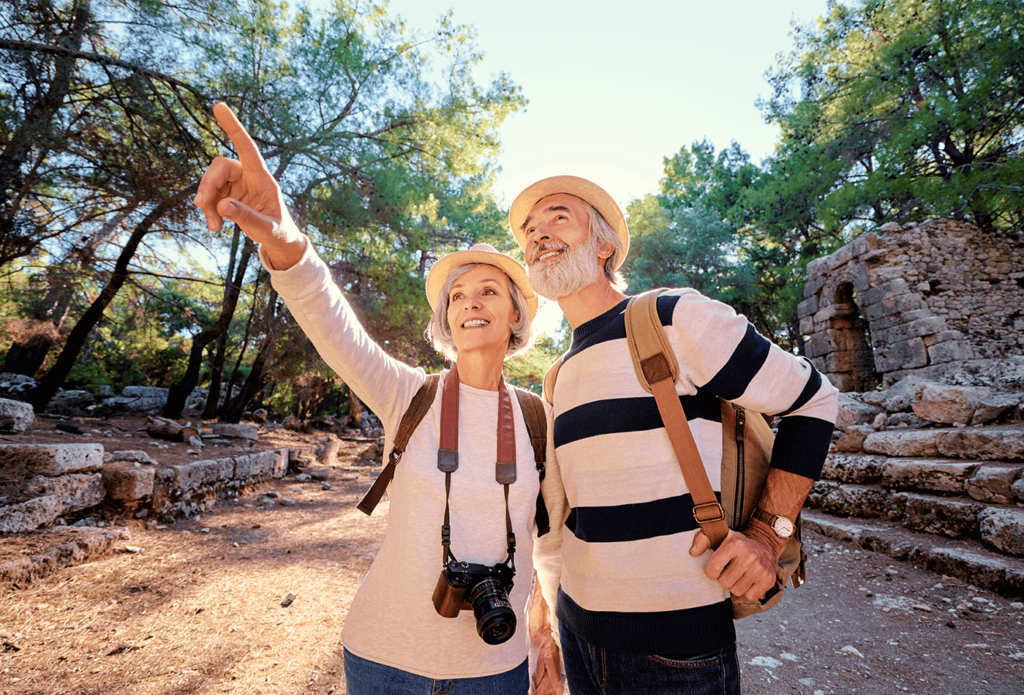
column 615, row 87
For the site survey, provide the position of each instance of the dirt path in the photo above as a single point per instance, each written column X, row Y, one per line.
column 199, row 610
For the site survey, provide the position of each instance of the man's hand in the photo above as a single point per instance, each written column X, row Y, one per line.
column 244, row 192
column 742, row 564
column 547, row 677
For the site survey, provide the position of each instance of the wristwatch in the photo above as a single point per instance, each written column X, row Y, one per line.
column 782, row 526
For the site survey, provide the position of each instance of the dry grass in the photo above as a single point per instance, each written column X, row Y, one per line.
column 200, row 612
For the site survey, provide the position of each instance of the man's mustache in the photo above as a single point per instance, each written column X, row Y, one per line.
column 548, row 246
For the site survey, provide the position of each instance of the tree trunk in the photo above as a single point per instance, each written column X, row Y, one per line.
column 258, row 377
column 179, row 393
column 41, row 396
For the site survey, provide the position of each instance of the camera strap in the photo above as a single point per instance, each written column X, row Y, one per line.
column 448, row 456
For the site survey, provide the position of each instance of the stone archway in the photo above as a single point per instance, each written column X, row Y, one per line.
column 853, row 360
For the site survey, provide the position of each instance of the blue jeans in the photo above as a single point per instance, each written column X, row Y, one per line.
column 594, row 670
column 365, row 677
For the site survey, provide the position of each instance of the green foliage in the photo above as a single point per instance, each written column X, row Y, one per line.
column 908, row 109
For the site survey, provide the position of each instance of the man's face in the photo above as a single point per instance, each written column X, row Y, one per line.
column 561, row 254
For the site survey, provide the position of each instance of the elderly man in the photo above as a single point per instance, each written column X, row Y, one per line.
column 644, row 605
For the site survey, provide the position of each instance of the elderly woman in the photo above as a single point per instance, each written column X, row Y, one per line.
column 409, row 629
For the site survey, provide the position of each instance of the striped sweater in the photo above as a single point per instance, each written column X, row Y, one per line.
column 627, row 580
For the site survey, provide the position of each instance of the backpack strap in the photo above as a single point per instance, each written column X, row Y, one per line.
column 657, row 370
column 537, row 425
column 549, row 380
column 418, row 409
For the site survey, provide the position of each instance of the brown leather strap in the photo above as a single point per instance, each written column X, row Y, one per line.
column 537, row 426
column 414, row 414
column 657, row 371
column 448, row 450
column 550, row 377
column 505, row 460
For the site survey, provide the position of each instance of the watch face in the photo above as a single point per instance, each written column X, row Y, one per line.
column 783, row 527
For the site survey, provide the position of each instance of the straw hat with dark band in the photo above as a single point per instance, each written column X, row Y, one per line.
column 573, row 185
column 481, row 253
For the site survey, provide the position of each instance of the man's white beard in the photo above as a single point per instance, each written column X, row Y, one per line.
column 565, row 274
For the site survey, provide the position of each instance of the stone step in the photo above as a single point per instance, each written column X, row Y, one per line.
column 996, row 442
column 1001, row 527
column 969, row 561
column 998, row 482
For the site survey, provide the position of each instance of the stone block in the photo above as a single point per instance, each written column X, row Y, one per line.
column 75, row 491
column 904, row 443
column 840, row 257
column 885, row 290
column 948, row 404
column 937, row 475
column 999, row 443
column 817, row 345
column 852, row 411
column 942, row 337
column 905, row 354
column 248, row 432
column 901, row 396
column 126, row 482
column 806, row 308
column 992, row 482
column 952, row 351
column 995, row 407
column 190, row 476
column 30, row 515
column 904, row 420
column 15, row 417
column 130, row 455
column 820, row 490
column 938, row 515
column 1003, row 529
column 806, row 326
column 1017, row 490
column 266, row 464
column 847, row 468
column 53, row 459
column 145, row 392
column 917, row 329
column 856, row 500
column 853, row 438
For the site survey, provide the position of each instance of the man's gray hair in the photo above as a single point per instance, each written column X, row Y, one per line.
column 440, row 334
column 603, row 232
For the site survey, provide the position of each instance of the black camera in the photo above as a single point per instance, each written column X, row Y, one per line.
column 464, row 585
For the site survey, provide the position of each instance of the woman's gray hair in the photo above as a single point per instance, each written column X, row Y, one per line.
column 440, row 334
column 603, row 232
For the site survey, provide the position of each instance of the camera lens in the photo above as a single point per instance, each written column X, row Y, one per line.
column 495, row 619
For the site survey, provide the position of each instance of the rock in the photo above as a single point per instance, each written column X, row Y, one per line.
column 131, row 455
column 995, row 407
column 846, row 468
column 232, row 431
column 904, row 443
column 260, row 415
column 69, row 427
column 948, row 404
column 52, row 459
column 856, row 500
column 317, row 475
column 1017, row 490
column 900, row 396
column 908, row 420
column 938, row 475
column 998, row 443
column 326, row 486
column 286, row 502
column 851, row 412
column 303, row 478
column 992, row 482
column 854, row 436
column 1003, row 529
column 126, row 483
column 15, row 417
column 273, row 494
column 945, row 517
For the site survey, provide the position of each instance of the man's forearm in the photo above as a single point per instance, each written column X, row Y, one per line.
column 783, row 494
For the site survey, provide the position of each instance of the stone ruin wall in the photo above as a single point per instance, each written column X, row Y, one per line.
column 915, row 299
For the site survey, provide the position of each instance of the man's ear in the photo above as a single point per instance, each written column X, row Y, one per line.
column 605, row 250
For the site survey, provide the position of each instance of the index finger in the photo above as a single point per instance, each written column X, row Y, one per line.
column 248, row 154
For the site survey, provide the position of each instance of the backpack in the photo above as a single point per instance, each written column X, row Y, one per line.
column 536, row 425
column 746, row 448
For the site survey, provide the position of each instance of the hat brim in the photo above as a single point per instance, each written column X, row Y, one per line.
column 574, row 186
column 510, row 266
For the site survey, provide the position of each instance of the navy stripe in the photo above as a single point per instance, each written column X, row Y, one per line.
column 639, row 414
column 812, row 386
column 746, row 361
column 801, row 445
column 611, row 325
column 701, row 629
column 633, row 522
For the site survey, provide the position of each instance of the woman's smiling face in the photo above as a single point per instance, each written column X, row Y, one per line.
column 480, row 310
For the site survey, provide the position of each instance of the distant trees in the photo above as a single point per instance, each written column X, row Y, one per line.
column 382, row 140
column 889, row 110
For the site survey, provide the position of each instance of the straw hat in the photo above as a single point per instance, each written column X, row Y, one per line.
column 480, row 253
column 573, row 185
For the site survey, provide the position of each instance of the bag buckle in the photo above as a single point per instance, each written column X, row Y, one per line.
column 708, row 512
